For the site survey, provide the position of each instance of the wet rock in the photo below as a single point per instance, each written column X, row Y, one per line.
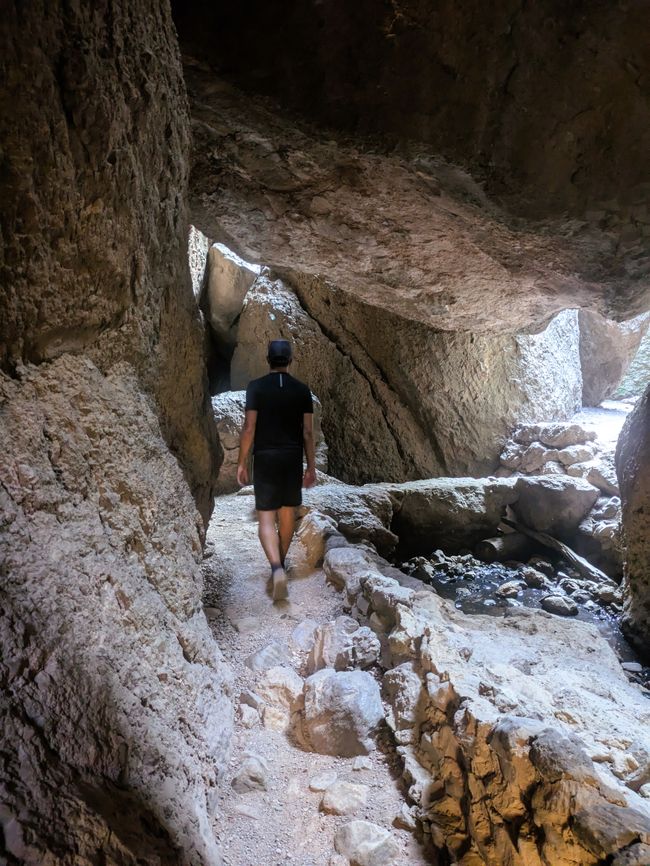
column 559, row 605
column 343, row 645
column 554, row 504
column 533, row 578
column 344, row 798
column 509, row 589
column 252, row 775
column 342, row 712
column 366, row 844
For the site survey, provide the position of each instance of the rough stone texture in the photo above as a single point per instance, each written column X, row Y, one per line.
column 553, row 435
column 228, row 279
column 422, row 403
column 606, row 350
column 344, row 798
column 633, row 469
column 342, row 712
column 638, row 373
column 554, row 504
column 114, row 704
column 229, row 409
column 453, row 513
column 95, row 139
column 197, row 255
column 525, row 742
column 343, row 645
column 366, row 844
column 115, row 708
column 489, row 86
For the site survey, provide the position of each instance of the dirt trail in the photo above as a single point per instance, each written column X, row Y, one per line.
column 282, row 824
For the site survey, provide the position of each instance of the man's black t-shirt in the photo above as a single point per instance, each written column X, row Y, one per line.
column 280, row 401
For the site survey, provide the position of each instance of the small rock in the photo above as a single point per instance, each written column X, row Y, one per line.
column 644, row 790
column 323, row 781
column 543, row 565
column 632, row 667
column 282, row 687
column 361, row 762
column 560, row 605
column 303, row 634
column 248, row 810
column 405, row 818
column 212, row 613
column 344, row 798
column 533, row 578
column 251, row 699
column 270, row 656
column 607, row 594
column 509, row 589
column 248, row 716
column 252, row 775
column 366, row 844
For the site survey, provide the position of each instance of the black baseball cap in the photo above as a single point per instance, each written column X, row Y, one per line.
column 279, row 350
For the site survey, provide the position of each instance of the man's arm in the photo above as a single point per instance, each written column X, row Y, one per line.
column 245, row 444
column 310, row 450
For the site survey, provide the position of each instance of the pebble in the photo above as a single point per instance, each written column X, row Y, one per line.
column 344, row 798
column 534, row 578
column 509, row 589
column 252, row 775
column 362, row 762
column 559, row 605
column 248, row 716
column 323, row 781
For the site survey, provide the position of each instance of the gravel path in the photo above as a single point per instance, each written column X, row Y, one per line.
column 282, row 824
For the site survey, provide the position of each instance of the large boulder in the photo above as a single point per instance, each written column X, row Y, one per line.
column 452, row 513
column 554, row 504
column 229, row 410
column 228, row 278
column 606, row 350
column 633, row 468
column 343, row 645
column 342, row 713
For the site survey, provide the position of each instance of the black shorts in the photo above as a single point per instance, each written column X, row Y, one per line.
column 277, row 478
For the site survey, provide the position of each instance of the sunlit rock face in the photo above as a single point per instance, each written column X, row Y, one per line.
column 633, row 468
column 114, row 707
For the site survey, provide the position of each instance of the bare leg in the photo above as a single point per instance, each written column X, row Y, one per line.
column 270, row 540
column 286, row 528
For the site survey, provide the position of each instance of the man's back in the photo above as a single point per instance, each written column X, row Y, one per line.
column 280, row 401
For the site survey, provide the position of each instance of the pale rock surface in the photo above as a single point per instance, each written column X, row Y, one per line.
column 606, row 350
column 342, row 712
column 553, row 434
column 308, row 545
column 282, row 687
column 599, row 473
column 111, row 654
column 366, row 844
column 344, row 798
column 343, row 645
column 228, row 279
column 361, row 513
column 323, row 781
column 252, row 775
column 554, row 504
column 450, row 512
column 527, row 702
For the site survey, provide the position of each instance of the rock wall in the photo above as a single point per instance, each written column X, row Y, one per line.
column 606, row 351
column 95, row 139
column 401, row 400
column 545, row 100
column 114, row 699
column 633, row 469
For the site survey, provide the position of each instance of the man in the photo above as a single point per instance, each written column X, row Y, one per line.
column 278, row 426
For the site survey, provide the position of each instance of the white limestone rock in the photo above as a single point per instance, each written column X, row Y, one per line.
column 342, row 712
column 344, row 798
column 343, row 645
column 366, row 844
